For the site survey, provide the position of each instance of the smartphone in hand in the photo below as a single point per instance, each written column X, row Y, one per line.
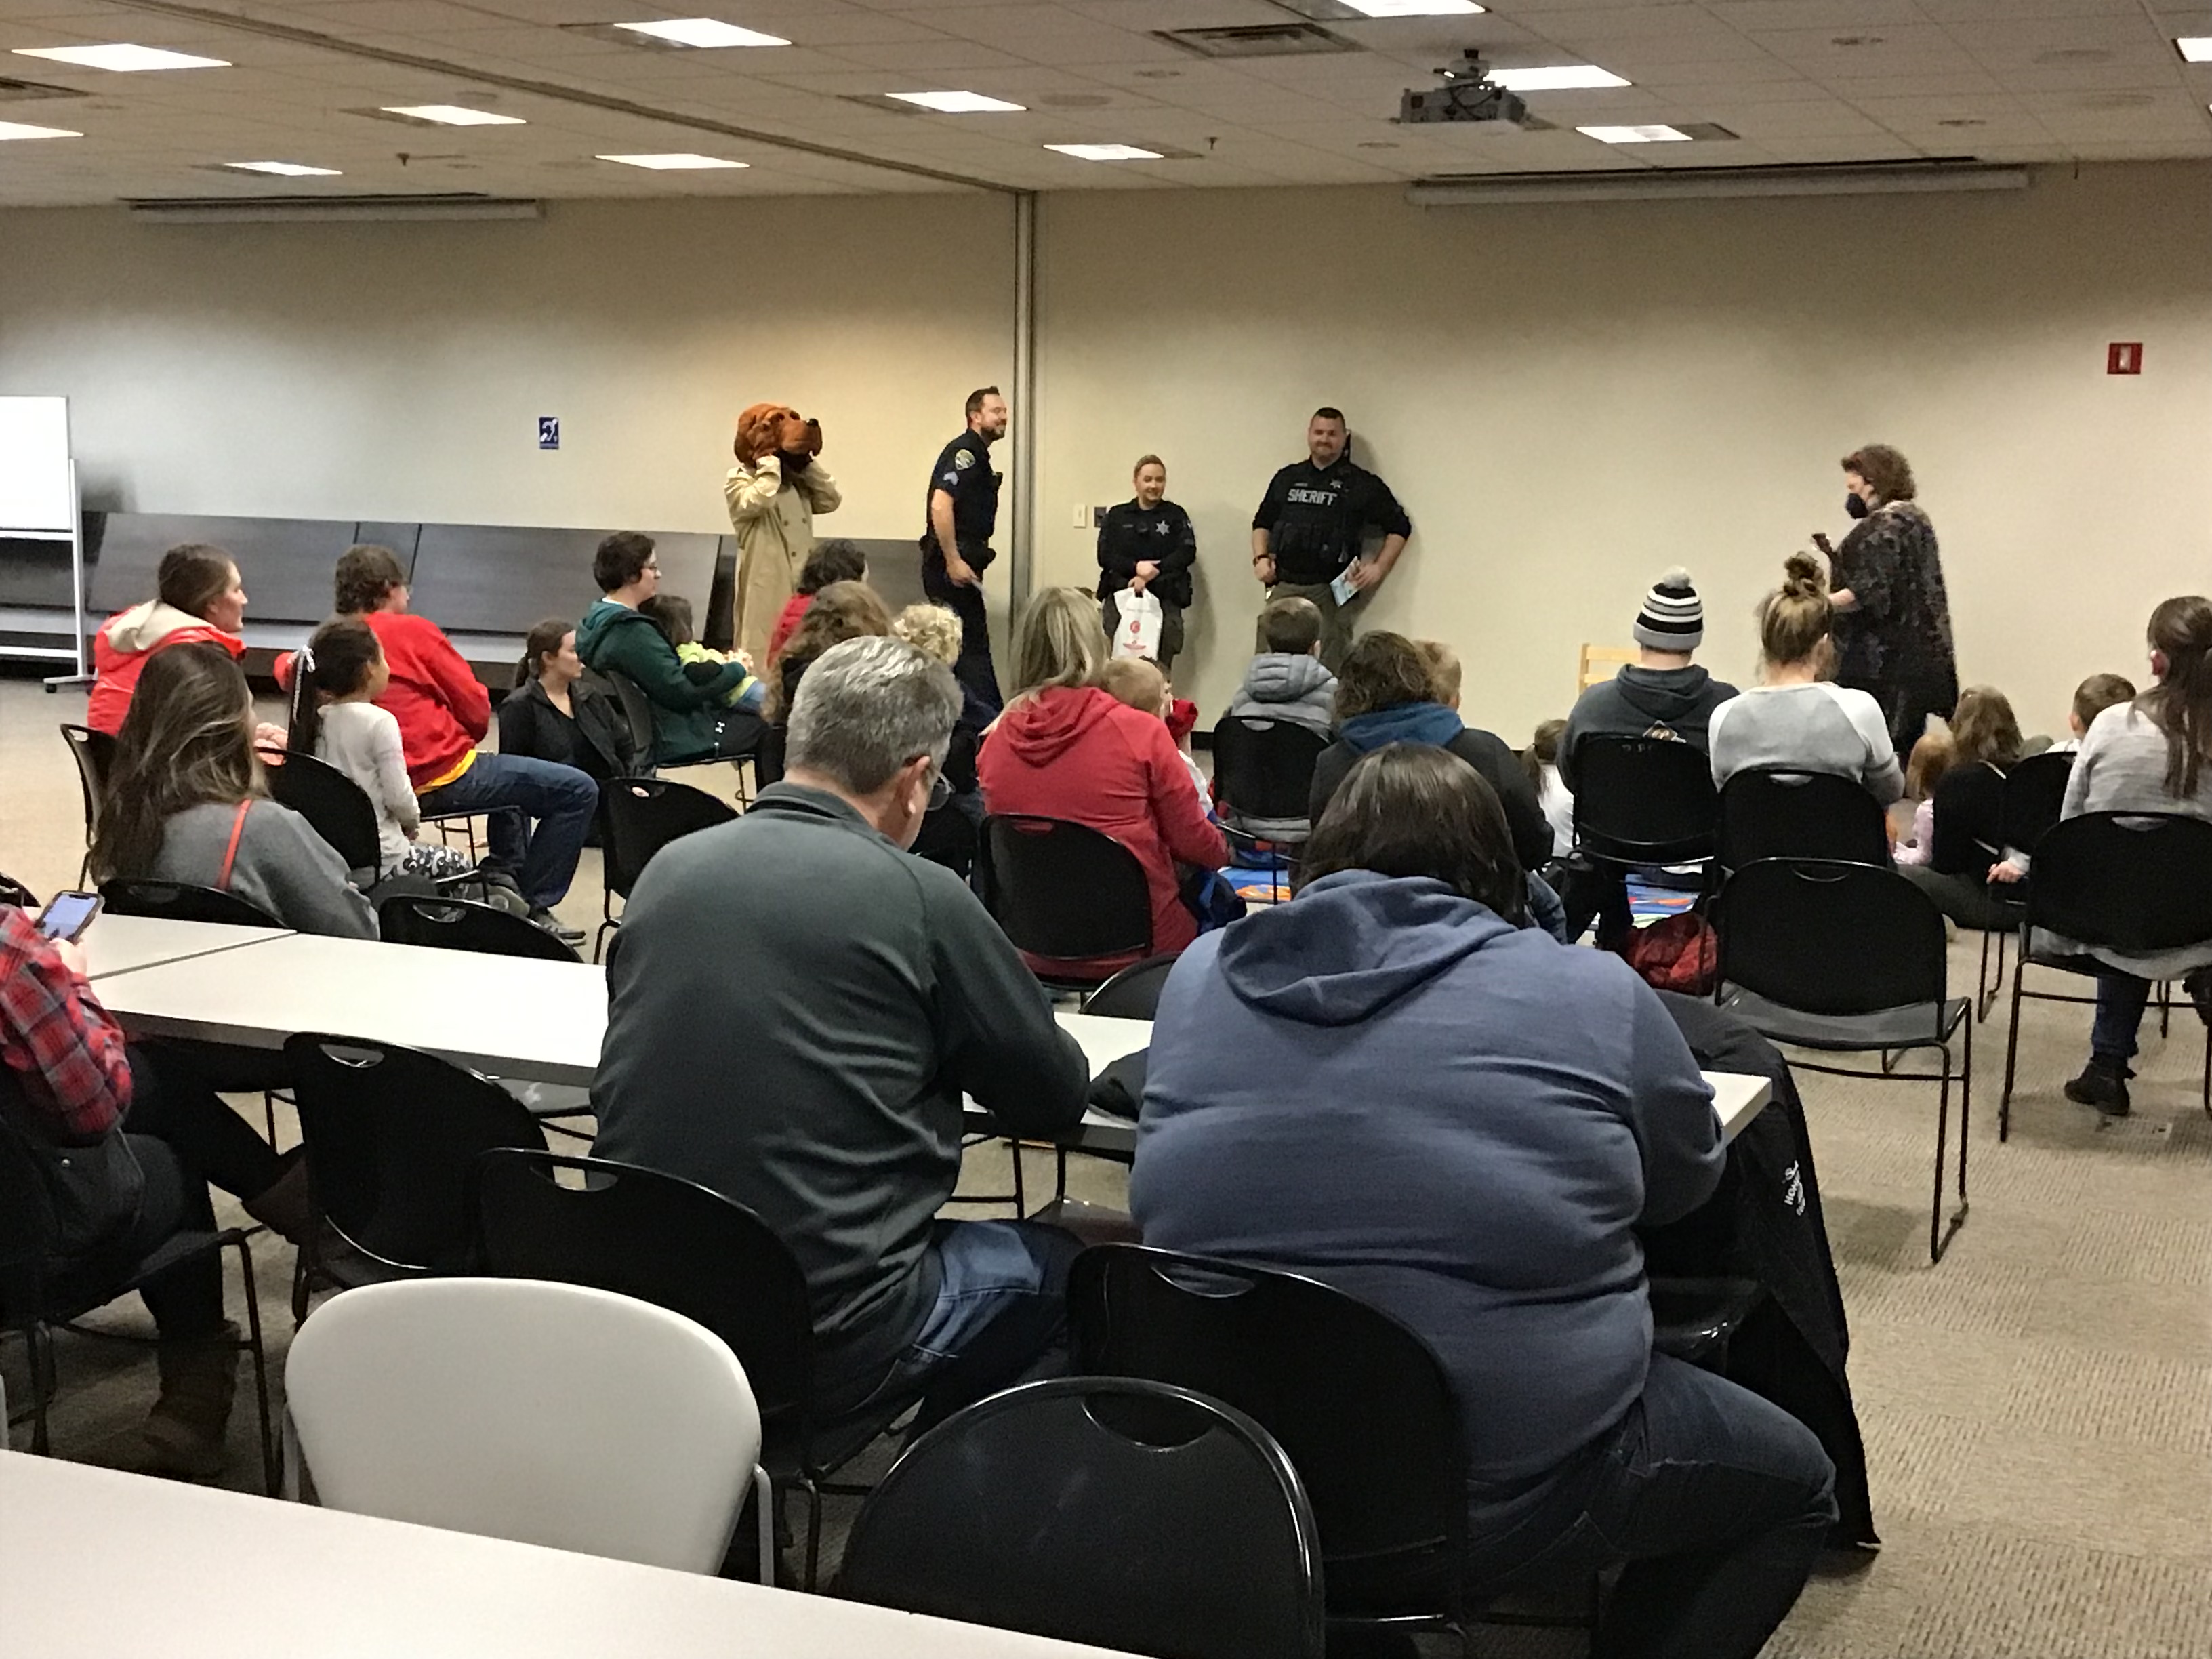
column 1821, row 542
column 68, row 914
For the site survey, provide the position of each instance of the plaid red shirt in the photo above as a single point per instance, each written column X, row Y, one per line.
column 54, row 1034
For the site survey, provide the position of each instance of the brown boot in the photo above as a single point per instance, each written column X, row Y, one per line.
column 284, row 1207
column 185, row 1432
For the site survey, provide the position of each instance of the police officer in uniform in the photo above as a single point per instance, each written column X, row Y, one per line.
column 1147, row 545
column 955, row 546
column 1308, row 532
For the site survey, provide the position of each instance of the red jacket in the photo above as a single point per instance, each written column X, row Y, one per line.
column 787, row 624
column 1081, row 756
column 126, row 640
column 442, row 707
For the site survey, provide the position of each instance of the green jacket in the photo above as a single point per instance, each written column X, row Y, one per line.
column 615, row 639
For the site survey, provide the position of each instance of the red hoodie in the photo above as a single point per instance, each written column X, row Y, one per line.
column 442, row 707
column 1081, row 756
column 126, row 640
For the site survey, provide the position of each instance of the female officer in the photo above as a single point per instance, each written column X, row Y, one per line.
column 1147, row 546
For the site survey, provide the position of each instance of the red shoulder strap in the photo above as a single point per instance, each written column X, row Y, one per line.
column 230, row 853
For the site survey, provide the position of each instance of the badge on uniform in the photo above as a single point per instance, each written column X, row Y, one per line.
column 964, row 459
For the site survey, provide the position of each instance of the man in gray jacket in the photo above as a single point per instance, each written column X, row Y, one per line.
column 796, row 1007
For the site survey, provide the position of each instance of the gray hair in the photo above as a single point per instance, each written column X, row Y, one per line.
column 867, row 707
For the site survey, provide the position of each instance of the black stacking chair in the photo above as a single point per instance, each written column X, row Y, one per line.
column 1263, row 768
column 1843, row 957
column 1642, row 801
column 1133, row 994
column 637, row 711
column 1066, row 892
column 40, row 1290
column 1771, row 813
column 2133, row 882
column 337, row 807
column 93, row 753
column 2034, row 794
column 392, row 1135
column 1360, row 1405
column 681, row 1246
column 181, row 901
column 1124, row 1514
column 458, row 924
column 638, row 817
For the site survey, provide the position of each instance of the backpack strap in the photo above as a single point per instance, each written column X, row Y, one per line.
column 230, row 853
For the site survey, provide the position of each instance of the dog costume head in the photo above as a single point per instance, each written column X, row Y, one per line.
column 775, row 429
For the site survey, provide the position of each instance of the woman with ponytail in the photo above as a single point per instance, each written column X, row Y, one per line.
column 1796, row 717
column 554, row 714
column 2152, row 755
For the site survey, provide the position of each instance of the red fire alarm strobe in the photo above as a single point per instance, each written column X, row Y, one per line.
column 2124, row 357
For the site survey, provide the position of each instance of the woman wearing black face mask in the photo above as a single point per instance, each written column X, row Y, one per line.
column 1892, row 615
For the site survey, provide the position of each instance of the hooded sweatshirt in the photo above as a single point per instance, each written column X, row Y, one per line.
column 1287, row 685
column 1078, row 754
column 126, row 640
column 613, row 638
column 1541, row 1106
column 1440, row 728
column 1645, row 702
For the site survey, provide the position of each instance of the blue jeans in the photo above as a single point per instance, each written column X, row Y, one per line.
column 1000, row 1316
column 515, row 790
column 1718, row 1501
column 2121, row 999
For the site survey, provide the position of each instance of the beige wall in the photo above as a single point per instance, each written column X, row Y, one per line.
column 1568, row 398
column 397, row 371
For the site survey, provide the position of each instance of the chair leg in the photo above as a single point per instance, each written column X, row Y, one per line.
column 765, row 1515
column 2012, row 1047
column 41, row 1341
column 1966, row 1112
column 1021, row 1197
column 271, row 1473
column 294, row 1489
column 1942, row 1125
column 813, row 1532
column 2165, row 1008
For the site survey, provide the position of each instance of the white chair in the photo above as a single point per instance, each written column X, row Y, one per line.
column 524, row 1409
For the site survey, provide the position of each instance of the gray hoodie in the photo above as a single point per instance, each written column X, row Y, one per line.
column 1283, row 685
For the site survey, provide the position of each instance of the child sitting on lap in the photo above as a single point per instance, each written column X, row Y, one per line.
column 672, row 617
column 1138, row 682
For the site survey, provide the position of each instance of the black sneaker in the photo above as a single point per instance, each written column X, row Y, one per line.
column 2104, row 1087
column 553, row 924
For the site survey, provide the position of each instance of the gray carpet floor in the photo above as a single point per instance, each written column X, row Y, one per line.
column 2037, row 1407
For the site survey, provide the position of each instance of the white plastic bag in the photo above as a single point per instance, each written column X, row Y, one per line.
column 1138, row 634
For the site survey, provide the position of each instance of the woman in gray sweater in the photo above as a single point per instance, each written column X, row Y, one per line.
column 186, row 803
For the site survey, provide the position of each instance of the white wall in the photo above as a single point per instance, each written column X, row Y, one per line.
column 398, row 371
column 1569, row 398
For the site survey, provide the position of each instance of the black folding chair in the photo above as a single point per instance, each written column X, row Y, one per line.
column 1775, row 813
column 2135, row 884
column 93, row 753
column 638, row 817
column 1263, row 768
column 1844, row 957
column 683, row 1247
column 181, row 901
column 1133, row 994
column 391, row 1136
column 334, row 805
column 40, row 1292
column 2035, row 795
column 767, row 759
column 1065, row 891
column 1642, row 801
column 458, row 924
column 1127, row 1515
column 1361, row 1406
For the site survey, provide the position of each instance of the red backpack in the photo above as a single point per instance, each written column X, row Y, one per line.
column 1676, row 953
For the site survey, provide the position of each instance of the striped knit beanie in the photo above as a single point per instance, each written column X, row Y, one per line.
column 1674, row 616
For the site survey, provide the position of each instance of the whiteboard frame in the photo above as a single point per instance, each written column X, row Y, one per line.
column 73, row 653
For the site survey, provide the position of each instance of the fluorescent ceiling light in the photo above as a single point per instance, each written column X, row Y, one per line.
column 703, row 32
column 1635, row 135
column 674, row 162
column 1414, row 7
column 1106, row 152
column 1564, row 77
column 957, row 103
column 2194, row 48
column 283, row 169
column 18, row 129
column 452, row 115
column 125, row 59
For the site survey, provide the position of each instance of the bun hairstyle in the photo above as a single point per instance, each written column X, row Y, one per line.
column 2181, row 703
column 1795, row 620
column 192, row 576
column 541, row 642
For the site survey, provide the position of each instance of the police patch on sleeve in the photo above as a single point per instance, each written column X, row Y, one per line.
column 964, row 459
column 950, row 479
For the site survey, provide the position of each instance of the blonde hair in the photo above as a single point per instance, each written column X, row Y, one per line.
column 1936, row 753
column 1444, row 671
column 1795, row 619
column 932, row 627
column 1059, row 642
column 1134, row 681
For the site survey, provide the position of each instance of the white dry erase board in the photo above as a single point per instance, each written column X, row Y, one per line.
column 34, row 465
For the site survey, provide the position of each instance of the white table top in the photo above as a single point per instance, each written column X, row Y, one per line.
column 118, row 945
column 94, row 1563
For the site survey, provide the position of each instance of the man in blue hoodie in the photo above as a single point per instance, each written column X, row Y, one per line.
column 1539, row 1106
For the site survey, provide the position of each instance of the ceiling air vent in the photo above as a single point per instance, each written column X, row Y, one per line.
column 12, row 92
column 1258, row 40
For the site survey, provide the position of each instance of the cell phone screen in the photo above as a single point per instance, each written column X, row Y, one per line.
column 68, row 915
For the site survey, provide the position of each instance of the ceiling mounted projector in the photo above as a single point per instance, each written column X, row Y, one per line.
column 1467, row 95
